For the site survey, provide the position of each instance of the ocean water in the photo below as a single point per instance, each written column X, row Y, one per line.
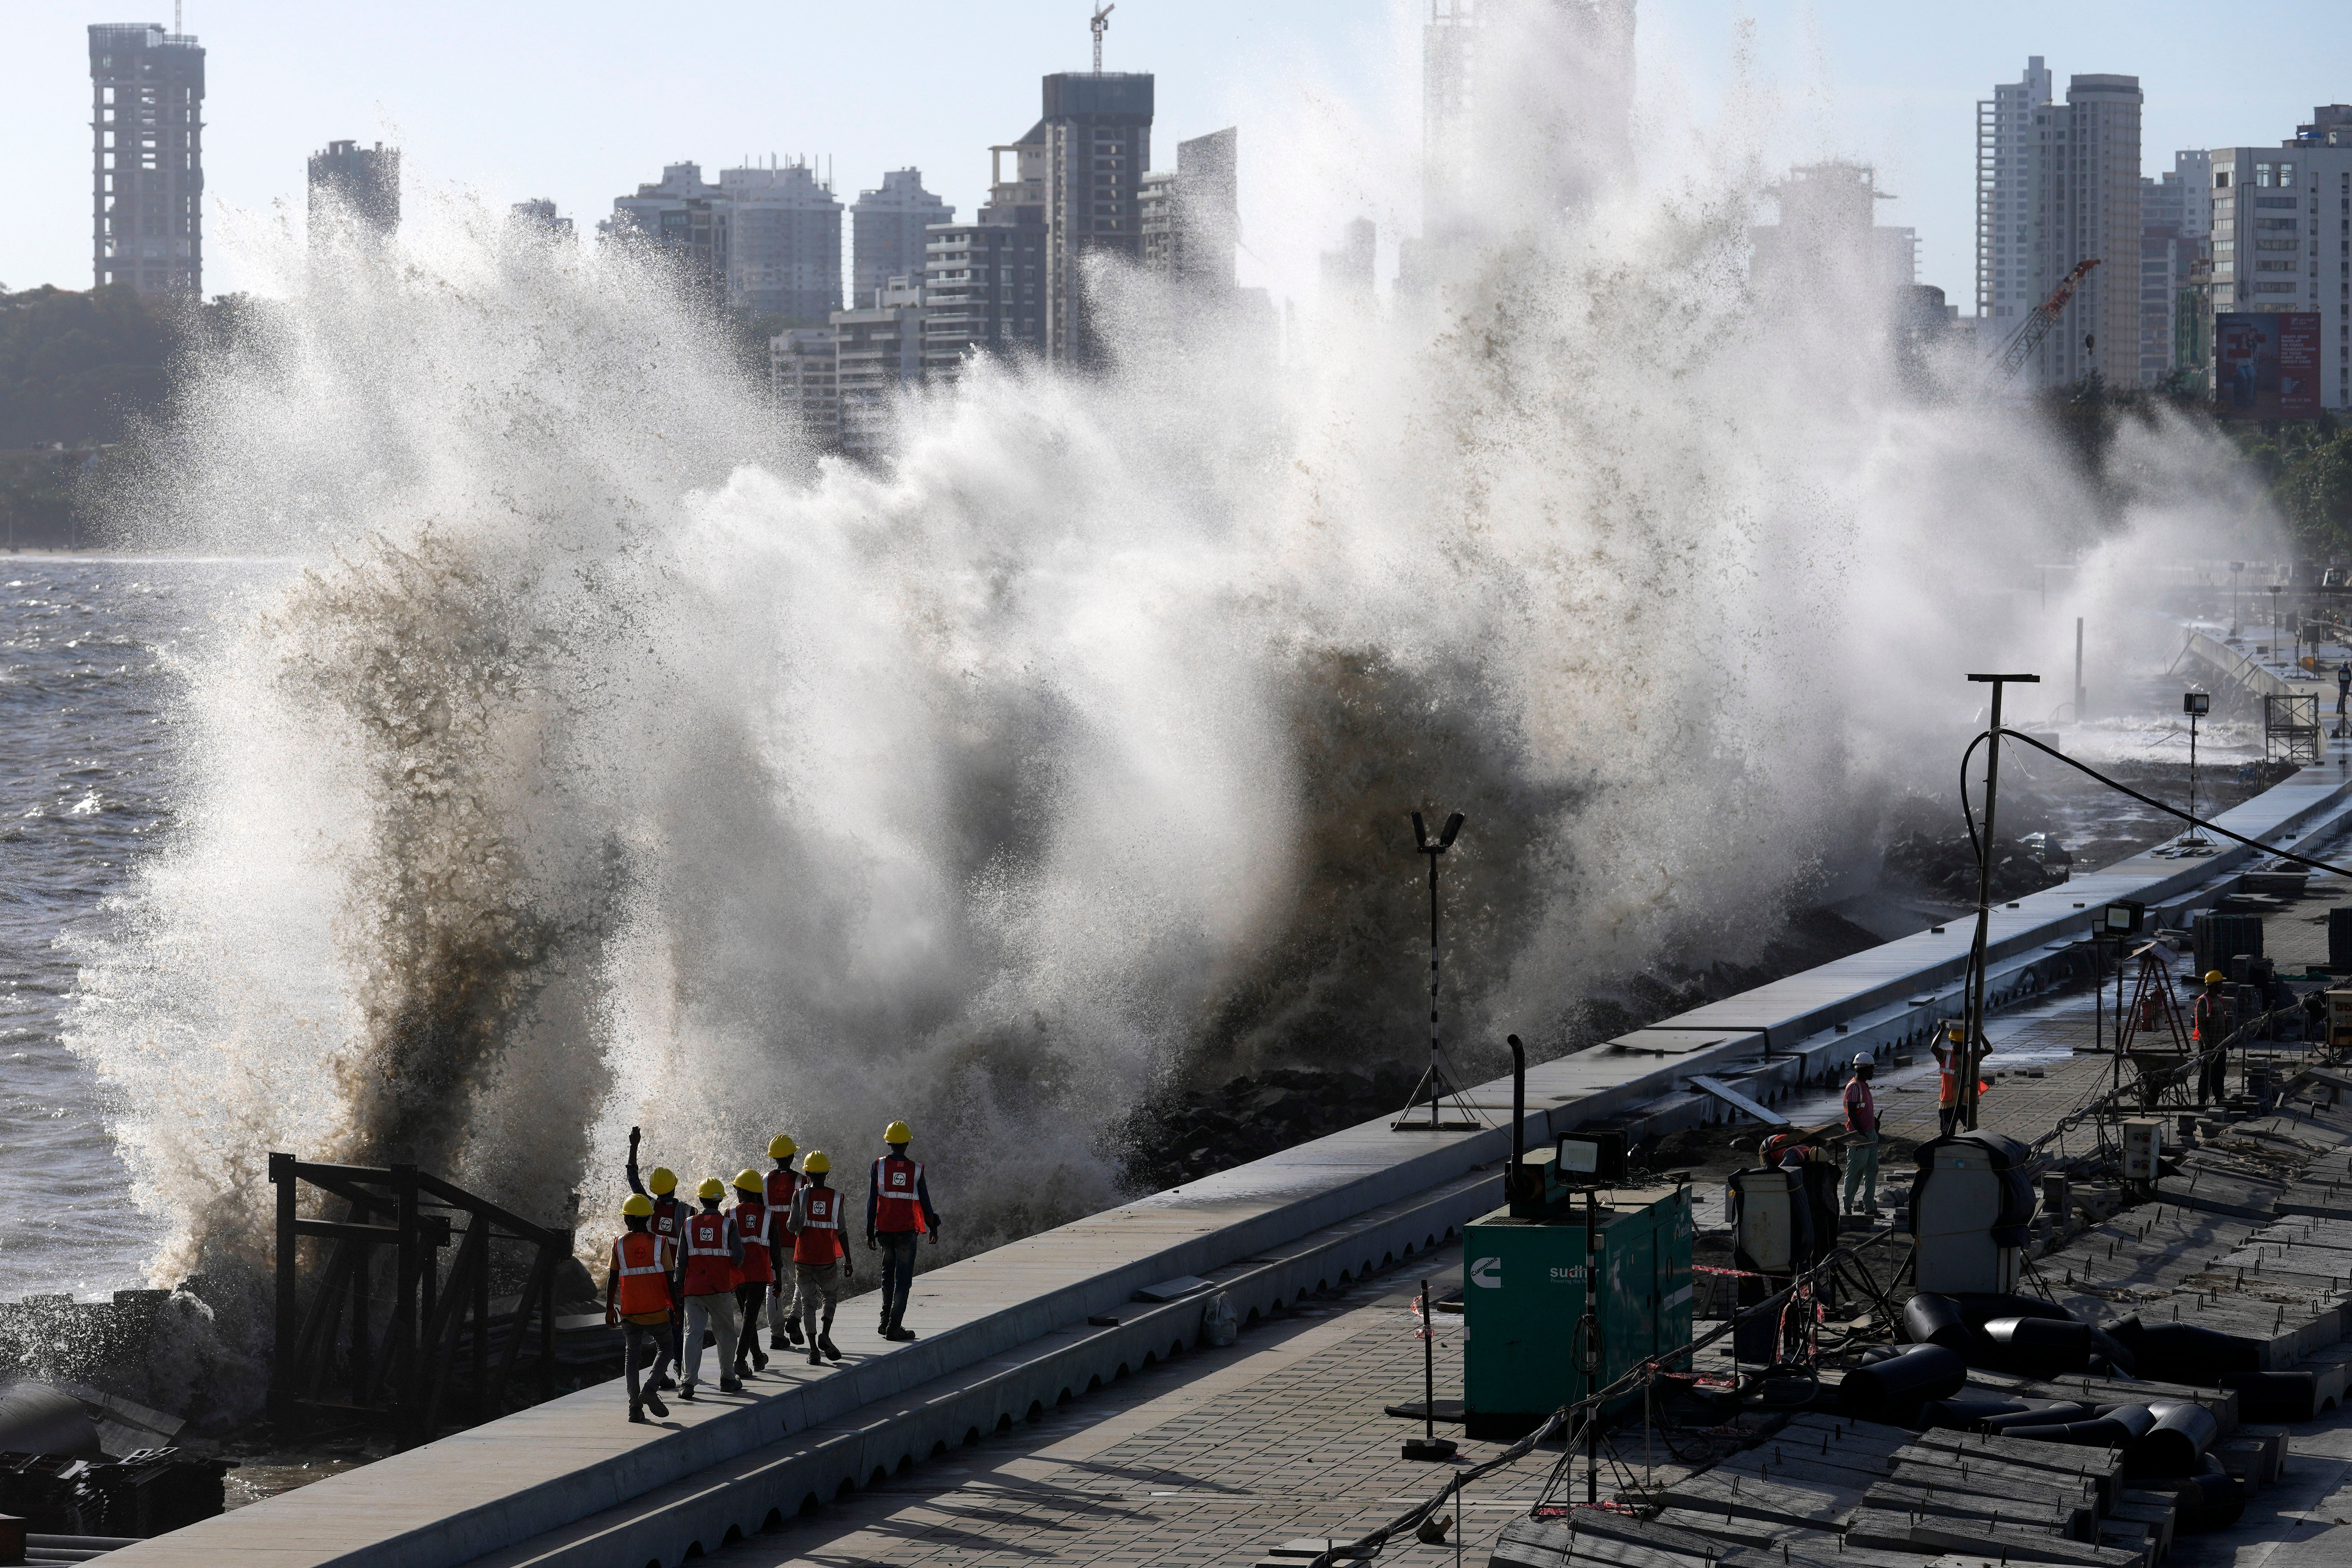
column 92, row 655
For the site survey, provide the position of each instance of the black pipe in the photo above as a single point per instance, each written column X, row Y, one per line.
column 1518, row 1104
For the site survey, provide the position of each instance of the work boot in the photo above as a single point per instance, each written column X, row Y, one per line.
column 792, row 1332
column 653, row 1404
column 686, row 1392
column 665, row 1382
column 815, row 1359
column 824, row 1343
column 884, row 1329
column 899, row 1332
column 730, row 1385
column 758, row 1358
column 777, row 1341
column 637, row 1415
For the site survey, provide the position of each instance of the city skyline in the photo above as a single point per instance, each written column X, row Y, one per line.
column 1317, row 82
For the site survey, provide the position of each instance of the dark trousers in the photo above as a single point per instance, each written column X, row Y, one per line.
column 897, row 1272
column 748, row 1296
column 1950, row 1116
column 2213, row 1079
column 643, row 1345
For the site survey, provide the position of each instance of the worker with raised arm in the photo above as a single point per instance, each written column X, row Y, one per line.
column 820, row 1262
column 784, row 1302
column 1861, row 1137
column 1953, row 1057
column 670, row 1217
column 636, row 1298
column 713, row 1259
column 898, row 1214
column 755, row 1223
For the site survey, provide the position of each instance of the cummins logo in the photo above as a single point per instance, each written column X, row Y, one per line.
column 1487, row 1273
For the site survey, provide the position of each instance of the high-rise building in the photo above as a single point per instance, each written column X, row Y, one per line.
column 147, row 159
column 356, row 185
column 1527, row 113
column 1347, row 271
column 1096, row 132
column 1829, row 245
column 984, row 282
column 1191, row 216
column 886, row 231
column 806, row 379
column 685, row 216
column 2176, row 212
column 783, row 242
column 2283, row 237
column 2058, row 184
column 878, row 353
column 538, row 213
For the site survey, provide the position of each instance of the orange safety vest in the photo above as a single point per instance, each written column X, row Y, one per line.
column 780, row 1189
column 819, row 1241
column 644, row 1282
column 710, row 1261
column 1948, row 1085
column 2211, row 1008
column 896, row 1208
column 752, row 1218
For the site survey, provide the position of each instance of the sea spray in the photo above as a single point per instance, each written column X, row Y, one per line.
column 616, row 761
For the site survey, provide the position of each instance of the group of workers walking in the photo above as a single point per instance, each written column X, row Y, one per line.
column 683, row 1271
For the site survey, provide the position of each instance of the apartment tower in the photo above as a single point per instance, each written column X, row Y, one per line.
column 355, row 184
column 886, row 228
column 147, row 159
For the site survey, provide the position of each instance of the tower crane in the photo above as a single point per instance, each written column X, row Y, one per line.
column 2036, row 327
column 1101, row 24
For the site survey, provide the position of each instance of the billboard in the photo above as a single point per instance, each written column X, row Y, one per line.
column 2267, row 365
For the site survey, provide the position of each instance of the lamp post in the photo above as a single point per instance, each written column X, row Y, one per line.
column 2276, row 588
column 2235, row 567
column 1433, row 1081
column 1972, row 1039
column 2196, row 704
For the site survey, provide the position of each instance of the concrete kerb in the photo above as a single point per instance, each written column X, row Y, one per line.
column 745, row 1493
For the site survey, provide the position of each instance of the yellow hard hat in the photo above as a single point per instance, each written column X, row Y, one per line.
column 748, row 1180
column 712, row 1187
column 897, row 1133
column 2214, row 977
column 664, row 1181
column 782, row 1148
column 636, row 1205
column 816, row 1163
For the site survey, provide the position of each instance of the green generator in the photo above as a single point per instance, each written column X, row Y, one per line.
column 1524, row 1274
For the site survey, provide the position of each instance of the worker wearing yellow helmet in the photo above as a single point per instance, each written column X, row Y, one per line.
column 783, row 1298
column 670, row 1210
column 819, row 1259
column 712, row 1267
column 898, row 1214
column 756, row 1222
column 2209, row 1026
column 636, row 1299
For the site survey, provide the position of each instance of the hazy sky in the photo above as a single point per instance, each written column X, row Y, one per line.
column 581, row 101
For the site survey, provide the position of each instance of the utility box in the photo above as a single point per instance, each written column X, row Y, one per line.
column 2340, row 1018
column 1971, row 1207
column 2143, row 1146
column 1523, row 1291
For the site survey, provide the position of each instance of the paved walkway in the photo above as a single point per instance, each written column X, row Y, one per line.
column 1215, row 1458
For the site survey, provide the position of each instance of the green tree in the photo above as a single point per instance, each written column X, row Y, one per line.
column 77, row 368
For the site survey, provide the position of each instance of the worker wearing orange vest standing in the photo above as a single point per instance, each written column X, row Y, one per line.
column 713, row 1261
column 820, row 1263
column 898, row 1214
column 1953, row 1059
column 754, row 1222
column 637, row 1297
column 2209, row 1026
column 783, row 1303
column 1861, row 1141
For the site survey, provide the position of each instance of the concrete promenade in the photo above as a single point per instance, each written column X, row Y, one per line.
column 1015, row 1333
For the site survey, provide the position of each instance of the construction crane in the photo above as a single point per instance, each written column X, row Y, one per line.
column 2036, row 327
column 1101, row 26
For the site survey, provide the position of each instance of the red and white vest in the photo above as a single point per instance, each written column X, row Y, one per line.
column 710, row 1261
column 752, row 1218
column 819, row 1241
column 644, row 1283
column 781, row 1183
column 897, row 1205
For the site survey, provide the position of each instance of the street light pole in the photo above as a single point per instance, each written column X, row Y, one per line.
column 1433, row 1081
column 1973, row 1038
column 2196, row 704
column 2235, row 567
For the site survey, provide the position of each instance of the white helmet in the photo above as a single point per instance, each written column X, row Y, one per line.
column 1862, row 1059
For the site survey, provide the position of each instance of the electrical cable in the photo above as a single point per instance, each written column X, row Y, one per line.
column 1969, row 814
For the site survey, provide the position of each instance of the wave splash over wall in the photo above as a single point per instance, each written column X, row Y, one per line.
column 615, row 760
